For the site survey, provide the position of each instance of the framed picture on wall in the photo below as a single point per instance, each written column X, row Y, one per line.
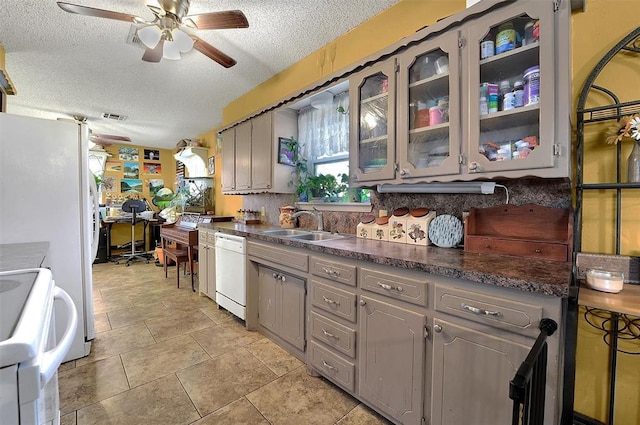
column 212, row 165
column 285, row 154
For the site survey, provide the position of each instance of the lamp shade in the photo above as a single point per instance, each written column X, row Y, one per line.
column 184, row 43
column 150, row 36
column 171, row 51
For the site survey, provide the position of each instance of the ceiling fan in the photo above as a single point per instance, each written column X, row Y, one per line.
column 165, row 36
column 98, row 139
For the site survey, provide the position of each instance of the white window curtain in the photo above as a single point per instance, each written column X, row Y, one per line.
column 324, row 132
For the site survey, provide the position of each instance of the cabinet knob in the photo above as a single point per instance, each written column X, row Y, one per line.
column 363, row 302
column 437, row 328
column 404, row 173
column 275, row 275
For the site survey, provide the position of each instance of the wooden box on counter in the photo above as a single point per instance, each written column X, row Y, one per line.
column 523, row 231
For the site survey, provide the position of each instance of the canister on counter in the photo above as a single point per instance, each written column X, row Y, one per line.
column 398, row 225
column 365, row 227
column 380, row 230
column 418, row 225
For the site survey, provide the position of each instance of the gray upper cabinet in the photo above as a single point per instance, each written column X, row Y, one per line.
column 250, row 150
column 429, row 118
column 445, row 99
column 261, row 152
column 392, row 359
column 229, row 160
column 372, row 123
column 519, row 138
column 243, row 156
column 471, row 372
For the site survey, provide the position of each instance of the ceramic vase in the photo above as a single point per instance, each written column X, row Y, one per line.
column 633, row 164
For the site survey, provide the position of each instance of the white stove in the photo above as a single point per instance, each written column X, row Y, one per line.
column 29, row 355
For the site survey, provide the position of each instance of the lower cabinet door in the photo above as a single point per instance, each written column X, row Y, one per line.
column 268, row 299
column 292, row 296
column 211, row 272
column 392, row 359
column 471, row 374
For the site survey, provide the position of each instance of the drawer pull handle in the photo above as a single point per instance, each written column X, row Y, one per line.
column 479, row 311
column 329, row 334
column 538, row 251
column 330, row 301
column 331, row 273
column 389, row 287
column 328, row 366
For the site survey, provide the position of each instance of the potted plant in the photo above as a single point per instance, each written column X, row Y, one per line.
column 299, row 176
column 327, row 186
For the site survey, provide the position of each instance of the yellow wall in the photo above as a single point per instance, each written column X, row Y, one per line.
column 390, row 26
column 224, row 204
column 593, row 34
column 121, row 233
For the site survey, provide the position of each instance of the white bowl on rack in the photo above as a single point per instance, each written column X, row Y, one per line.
column 605, row 281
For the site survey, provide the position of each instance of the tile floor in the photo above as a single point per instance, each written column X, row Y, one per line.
column 164, row 355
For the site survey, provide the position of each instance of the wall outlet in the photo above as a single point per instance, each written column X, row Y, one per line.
column 382, row 213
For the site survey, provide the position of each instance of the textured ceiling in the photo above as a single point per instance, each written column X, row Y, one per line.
column 64, row 65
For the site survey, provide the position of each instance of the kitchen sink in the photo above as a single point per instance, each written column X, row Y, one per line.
column 317, row 236
column 286, row 232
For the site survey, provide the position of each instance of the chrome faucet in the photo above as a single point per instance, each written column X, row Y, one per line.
column 317, row 215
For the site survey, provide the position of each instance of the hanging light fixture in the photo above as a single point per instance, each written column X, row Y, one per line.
column 176, row 41
column 150, row 36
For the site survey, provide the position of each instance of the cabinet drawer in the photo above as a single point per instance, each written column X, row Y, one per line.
column 333, row 334
column 337, row 301
column 202, row 236
column 395, row 286
column 334, row 270
column 334, row 367
column 532, row 249
column 499, row 312
column 287, row 257
column 211, row 238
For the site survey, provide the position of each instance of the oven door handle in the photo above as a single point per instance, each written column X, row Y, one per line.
column 52, row 359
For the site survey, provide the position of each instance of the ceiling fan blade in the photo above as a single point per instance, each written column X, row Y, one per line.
column 155, row 54
column 213, row 53
column 98, row 13
column 108, row 138
column 218, row 20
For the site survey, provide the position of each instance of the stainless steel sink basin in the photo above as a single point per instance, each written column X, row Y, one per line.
column 286, row 232
column 317, row 236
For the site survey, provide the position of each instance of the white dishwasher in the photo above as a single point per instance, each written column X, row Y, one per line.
column 231, row 273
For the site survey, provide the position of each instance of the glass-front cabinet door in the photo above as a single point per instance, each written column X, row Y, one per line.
column 429, row 109
column 372, row 126
column 511, row 89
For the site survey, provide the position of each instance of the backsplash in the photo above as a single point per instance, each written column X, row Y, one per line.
column 555, row 193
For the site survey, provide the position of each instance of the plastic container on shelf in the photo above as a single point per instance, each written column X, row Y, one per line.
column 487, row 46
column 532, row 85
column 506, row 38
column 518, row 92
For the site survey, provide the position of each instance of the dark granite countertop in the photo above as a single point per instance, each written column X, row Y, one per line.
column 17, row 256
column 531, row 275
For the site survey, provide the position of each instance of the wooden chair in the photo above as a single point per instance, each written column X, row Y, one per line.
column 178, row 256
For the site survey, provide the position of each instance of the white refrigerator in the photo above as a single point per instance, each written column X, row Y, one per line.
column 48, row 194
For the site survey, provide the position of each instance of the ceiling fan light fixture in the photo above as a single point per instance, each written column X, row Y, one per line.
column 183, row 42
column 150, row 36
column 171, row 51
